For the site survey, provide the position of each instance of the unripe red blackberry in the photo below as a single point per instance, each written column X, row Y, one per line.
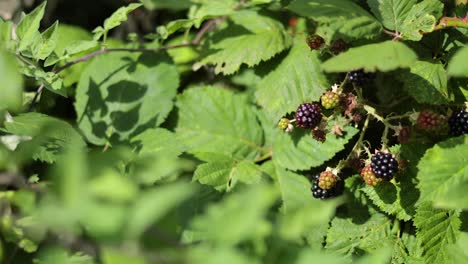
column 320, row 193
column 431, row 122
column 308, row 115
column 458, row 123
column 327, row 180
column 330, row 99
column 369, row 177
column 360, row 77
column 315, row 42
column 384, row 165
column 338, row 46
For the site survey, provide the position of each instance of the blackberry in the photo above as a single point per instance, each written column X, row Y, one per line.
column 384, row 165
column 360, row 77
column 315, row 42
column 283, row 123
column 458, row 123
column 308, row 115
column 369, row 177
column 330, row 99
column 432, row 122
column 338, row 46
column 320, row 193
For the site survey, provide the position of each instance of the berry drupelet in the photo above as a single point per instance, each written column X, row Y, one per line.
column 360, row 77
column 308, row 115
column 384, row 165
column 458, row 123
column 320, row 193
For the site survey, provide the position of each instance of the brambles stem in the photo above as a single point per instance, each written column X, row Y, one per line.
column 205, row 28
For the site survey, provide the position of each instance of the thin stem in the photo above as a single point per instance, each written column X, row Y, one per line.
column 264, row 157
column 356, row 146
column 105, row 50
column 446, row 22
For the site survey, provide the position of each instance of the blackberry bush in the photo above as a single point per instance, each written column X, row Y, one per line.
column 157, row 134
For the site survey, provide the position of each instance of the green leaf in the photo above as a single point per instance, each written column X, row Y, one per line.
column 436, row 229
column 298, row 150
column 166, row 4
column 120, row 95
column 443, row 168
column 384, row 56
column 301, row 214
column 421, row 19
column 304, row 83
column 29, row 25
column 116, row 255
column 60, row 256
column 245, row 42
column 387, row 197
column 204, row 254
column 426, row 82
column 47, row 43
column 174, row 26
column 225, row 123
column 391, row 12
column 345, row 237
column 347, row 17
column 158, row 156
column 153, row 204
column 53, row 134
column 158, row 141
column 207, row 9
column 12, row 83
column 457, row 66
column 223, row 172
column 119, row 16
column 81, row 46
column 311, row 256
column 231, row 221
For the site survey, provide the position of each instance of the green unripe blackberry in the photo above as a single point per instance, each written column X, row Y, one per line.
column 330, row 99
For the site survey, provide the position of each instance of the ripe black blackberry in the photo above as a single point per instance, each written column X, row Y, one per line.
column 458, row 123
column 360, row 77
column 320, row 193
column 308, row 115
column 384, row 165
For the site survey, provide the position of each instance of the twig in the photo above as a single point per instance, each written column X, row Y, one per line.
column 446, row 22
column 205, row 28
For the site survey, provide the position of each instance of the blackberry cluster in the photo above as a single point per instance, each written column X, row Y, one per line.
column 360, row 77
column 384, row 165
column 308, row 115
column 458, row 123
column 315, row 42
column 320, row 193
